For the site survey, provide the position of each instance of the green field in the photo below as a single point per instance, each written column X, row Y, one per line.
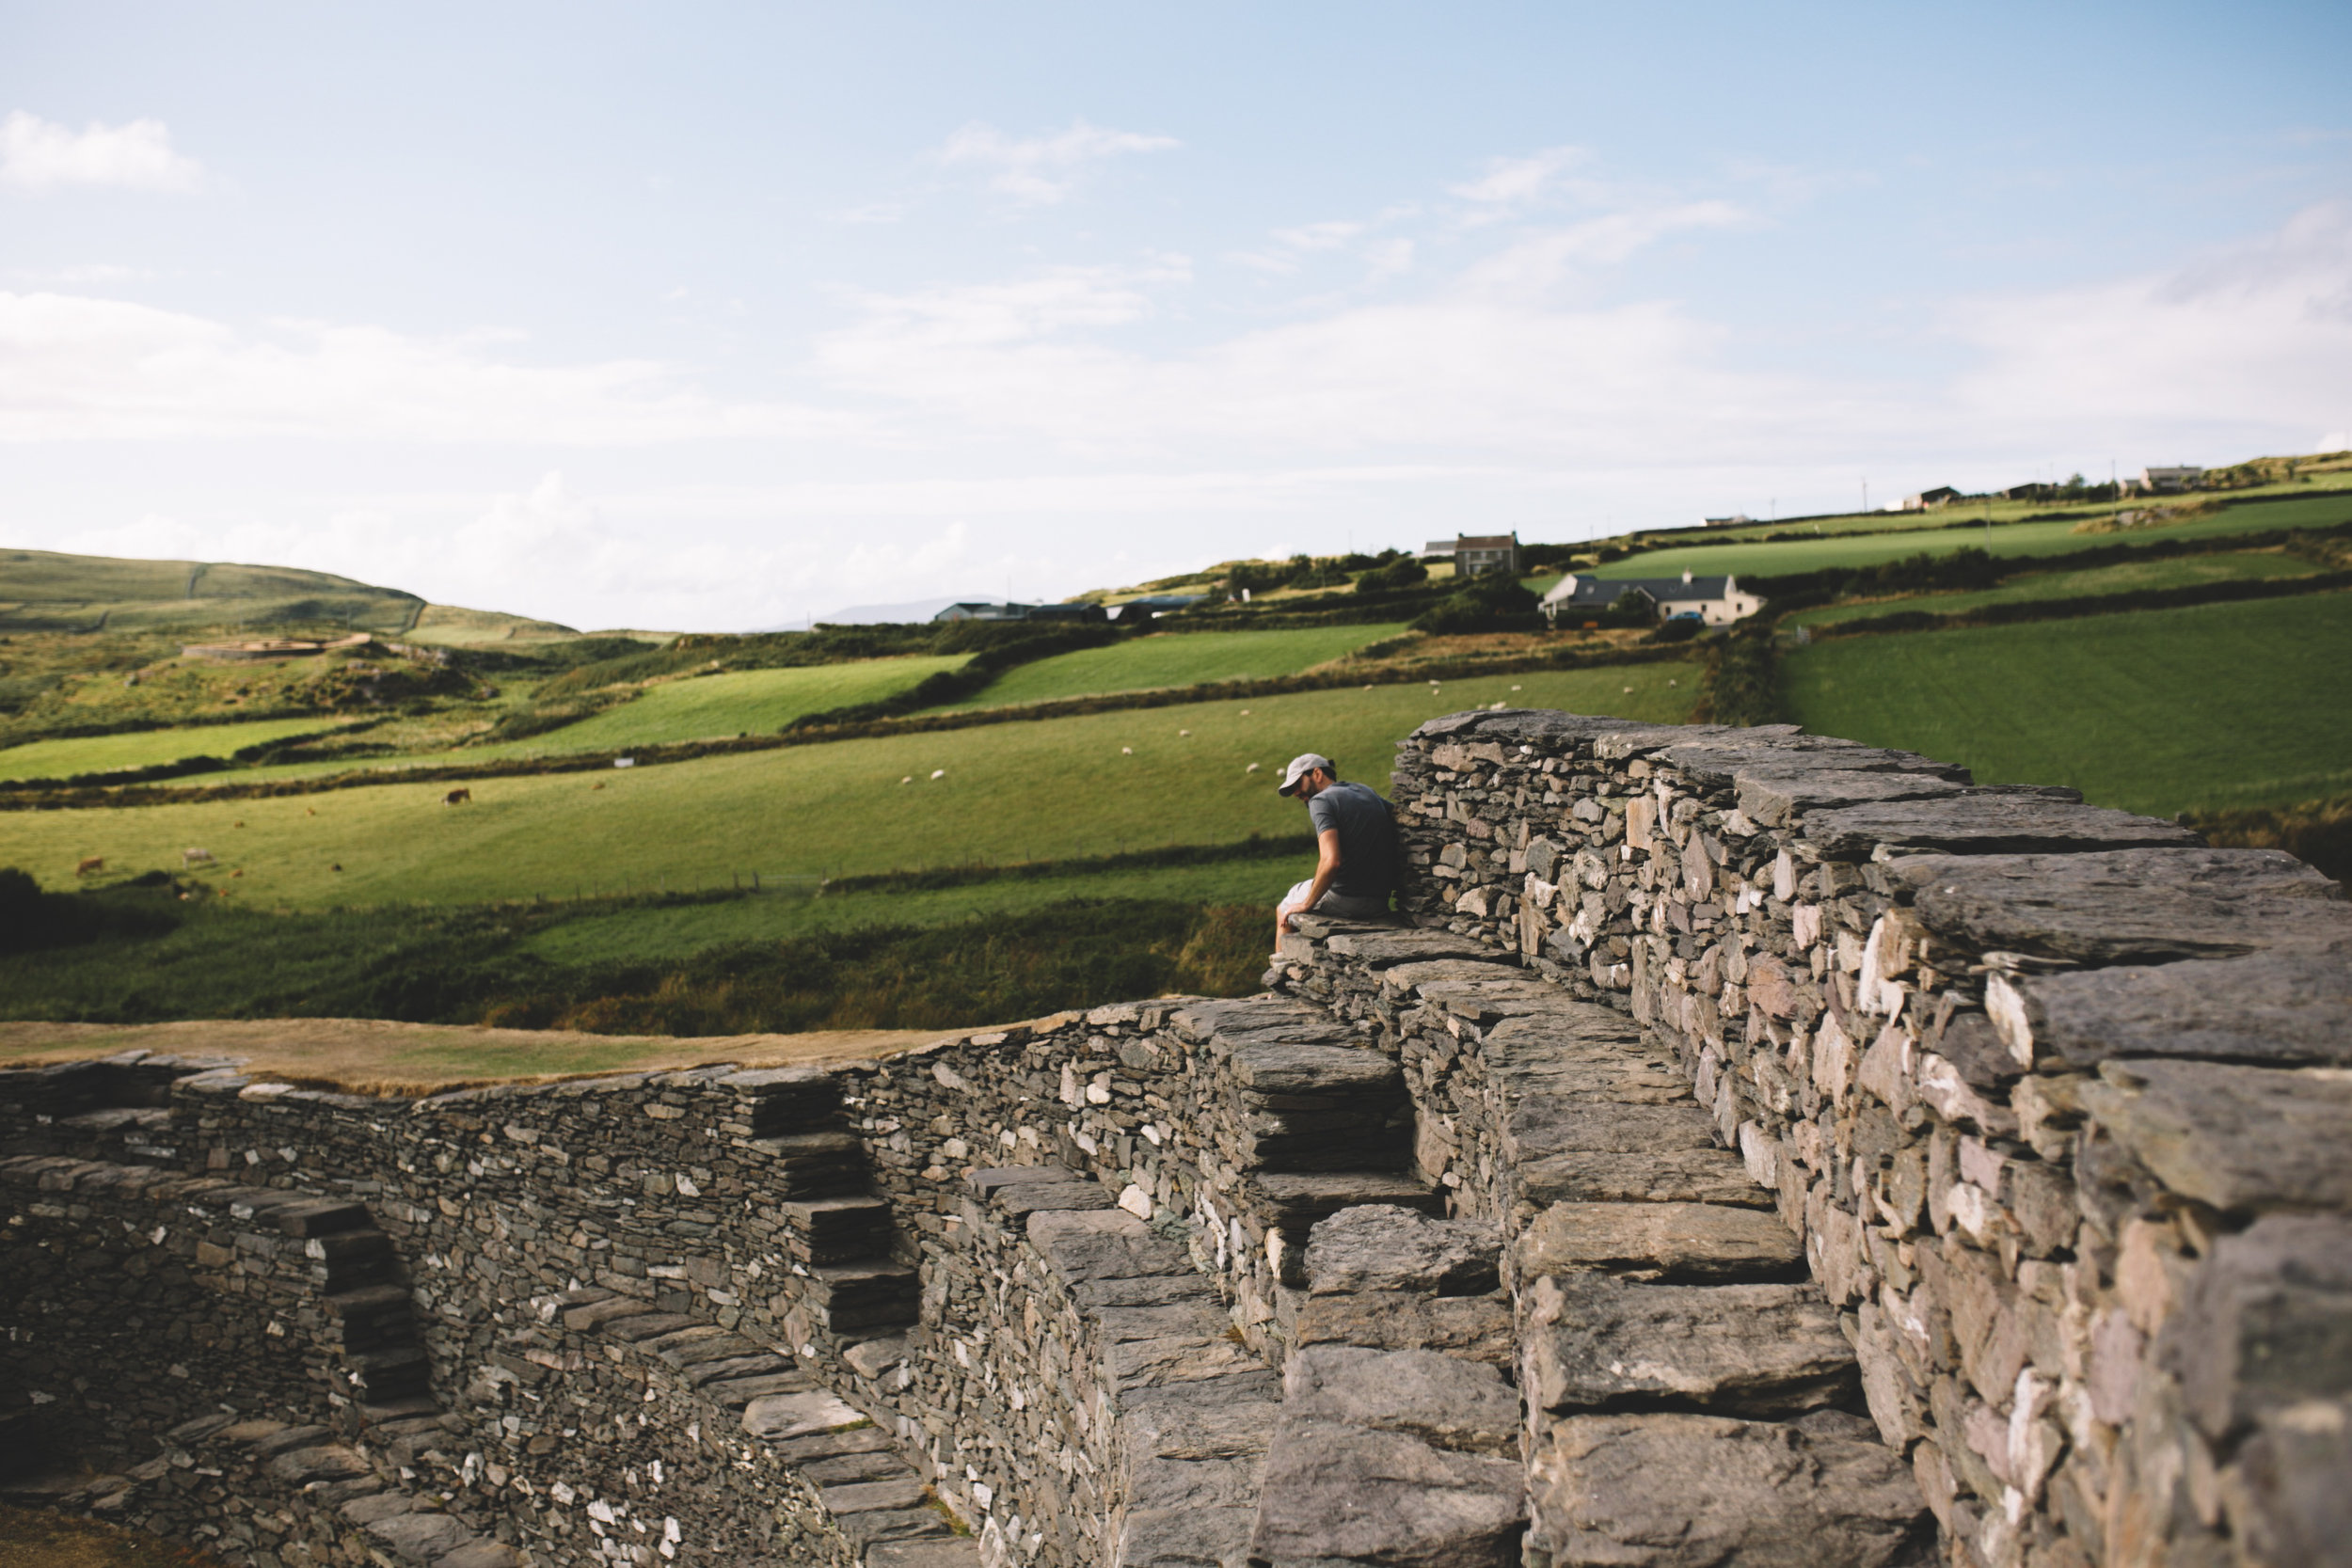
column 1173, row 659
column 744, row 702
column 676, row 931
column 1019, row 791
column 110, row 754
column 2016, row 539
column 2161, row 711
column 2123, row 578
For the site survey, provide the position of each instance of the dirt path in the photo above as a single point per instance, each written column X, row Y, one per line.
column 373, row 1056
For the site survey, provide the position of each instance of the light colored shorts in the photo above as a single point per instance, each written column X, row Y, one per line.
column 1333, row 903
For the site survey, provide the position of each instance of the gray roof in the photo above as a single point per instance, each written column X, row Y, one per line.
column 1600, row 592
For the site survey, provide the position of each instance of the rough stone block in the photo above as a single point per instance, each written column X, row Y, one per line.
column 785, row 1416
column 1295, row 1201
column 421, row 1538
column 1986, row 822
column 1186, row 1537
column 1386, row 1247
column 2271, row 1009
column 1334, row 1491
column 1675, row 1176
column 1596, row 1343
column 1682, row 1243
column 1678, row 1491
column 2265, row 1322
column 2127, row 905
column 2236, row 1138
column 1463, row 1406
column 1475, row 1327
column 949, row 1552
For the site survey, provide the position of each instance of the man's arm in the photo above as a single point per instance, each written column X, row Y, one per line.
column 1327, row 867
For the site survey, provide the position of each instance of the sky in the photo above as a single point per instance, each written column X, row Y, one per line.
column 719, row 317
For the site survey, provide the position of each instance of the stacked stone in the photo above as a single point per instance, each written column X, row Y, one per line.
column 2053, row 1094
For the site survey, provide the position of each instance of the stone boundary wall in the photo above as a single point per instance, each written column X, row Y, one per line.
column 2055, row 1096
column 1763, row 1081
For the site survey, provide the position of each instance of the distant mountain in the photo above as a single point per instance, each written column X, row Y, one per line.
column 48, row 591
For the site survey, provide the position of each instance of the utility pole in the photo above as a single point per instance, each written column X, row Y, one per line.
column 1865, row 495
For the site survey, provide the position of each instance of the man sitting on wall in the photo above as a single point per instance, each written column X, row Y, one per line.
column 1354, row 833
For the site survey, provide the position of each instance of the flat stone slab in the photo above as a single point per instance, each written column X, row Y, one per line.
column 1186, row 1536
column 1337, row 1491
column 2266, row 1323
column 1381, row 949
column 2236, row 1137
column 1258, row 1021
column 1387, row 1247
column 1305, row 1076
column 1157, row 1362
column 1475, row 1327
column 1030, row 1197
column 959, row 1551
column 1297, row 1200
column 1541, row 1126
column 1986, row 822
column 421, row 1538
column 1683, row 1242
column 1707, row 1174
column 1596, row 1342
column 2128, row 905
column 1487, row 999
column 1719, row 755
column 2274, row 1009
column 1463, row 1406
column 1105, row 1244
column 1773, row 796
column 999, row 1178
column 1676, row 1491
column 779, row 1416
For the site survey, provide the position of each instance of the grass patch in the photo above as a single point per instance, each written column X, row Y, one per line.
column 115, row 753
column 743, row 702
column 2316, row 831
column 2160, row 711
column 2055, row 537
column 2124, row 577
column 477, row 965
column 1047, row 789
column 41, row 1538
column 1172, row 659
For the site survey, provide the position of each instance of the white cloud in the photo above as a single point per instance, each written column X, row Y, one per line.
column 1042, row 170
column 76, row 368
column 37, row 155
column 2256, row 336
column 1511, row 184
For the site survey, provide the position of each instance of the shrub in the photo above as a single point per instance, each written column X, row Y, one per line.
column 1405, row 572
column 1494, row 602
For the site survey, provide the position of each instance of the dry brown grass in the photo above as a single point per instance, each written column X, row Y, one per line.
column 35, row 1537
column 361, row 1055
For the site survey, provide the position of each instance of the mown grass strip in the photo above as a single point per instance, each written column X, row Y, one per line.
column 2024, row 611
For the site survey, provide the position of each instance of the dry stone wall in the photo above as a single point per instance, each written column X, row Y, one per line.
column 2055, row 1097
column 1751, row 1149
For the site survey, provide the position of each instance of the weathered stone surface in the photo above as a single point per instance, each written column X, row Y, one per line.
column 421, row 1538
column 1682, row 1243
column 1475, row 1327
column 2236, row 1137
column 1030, row 1197
column 1449, row 1404
column 1596, row 1343
column 946, row 1552
column 1543, row 1126
column 1176, row 1358
column 1334, row 1491
column 1380, row 949
column 1258, row 1021
column 997, row 1177
column 2289, row 1503
column 1676, row 1491
column 2274, row 1009
column 1387, row 1247
column 1105, row 1244
column 1986, row 822
column 1187, row 1537
column 1773, row 797
column 783, row 1416
column 1318, row 1074
column 2266, row 1321
column 1297, row 1200
column 1707, row 1174
column 2128, row 905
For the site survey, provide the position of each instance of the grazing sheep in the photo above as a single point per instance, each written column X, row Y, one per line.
column 196, row 857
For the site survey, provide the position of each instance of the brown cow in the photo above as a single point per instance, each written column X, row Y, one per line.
column 91, row 866
column 458, row 797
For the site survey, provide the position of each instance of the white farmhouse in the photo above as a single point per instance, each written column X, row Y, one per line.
column 1717, row 601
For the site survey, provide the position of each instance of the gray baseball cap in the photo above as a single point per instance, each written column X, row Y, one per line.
column 1302, row 764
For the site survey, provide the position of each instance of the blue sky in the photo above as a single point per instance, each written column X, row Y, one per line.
column 714, row 317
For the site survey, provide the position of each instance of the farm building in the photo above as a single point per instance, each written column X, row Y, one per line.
column 2161, row 481
column 1474, row 553
column 997, row 609
column 1717, row 601
column 1152, row 605
column 1734, row 520
column 1929, row 500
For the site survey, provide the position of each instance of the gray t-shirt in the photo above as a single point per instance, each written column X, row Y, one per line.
column 1367, row 831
